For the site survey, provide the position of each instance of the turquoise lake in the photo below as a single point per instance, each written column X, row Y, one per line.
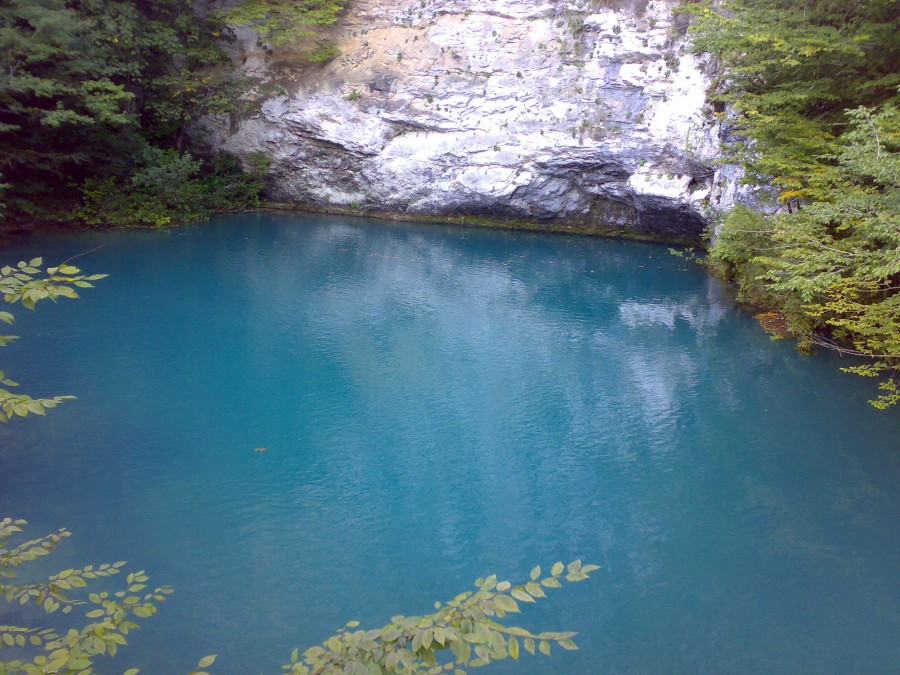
column 439, row 404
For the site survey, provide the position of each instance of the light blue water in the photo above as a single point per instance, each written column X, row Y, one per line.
column 439, row 404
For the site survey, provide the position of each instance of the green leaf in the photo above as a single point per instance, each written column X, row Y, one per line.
column 461, row 650
column 409, row 644
column 520, row 594
column 35, row 407
column 535, row 589
column 506, row 603
column 206, row 661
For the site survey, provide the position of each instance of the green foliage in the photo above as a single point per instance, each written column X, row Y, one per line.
column 324, row 51
column 23, row 283
column 107, row 619
column 744, row 233
column 169, row 187
column 260, row 163
column 96, row 93
column 12, row 404
column 285, row 20
column 228, row 186
column 144, row 198
column 464, row 629
column 791, row 69
column 58, row 98
column 813, row 88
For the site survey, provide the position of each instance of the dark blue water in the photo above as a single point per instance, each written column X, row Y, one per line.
column 439, row 404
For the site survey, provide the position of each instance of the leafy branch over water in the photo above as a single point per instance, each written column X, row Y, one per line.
column 72, row 650
column 465, row 626
column 23, row 282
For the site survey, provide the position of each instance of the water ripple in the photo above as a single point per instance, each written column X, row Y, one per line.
column 436, row 404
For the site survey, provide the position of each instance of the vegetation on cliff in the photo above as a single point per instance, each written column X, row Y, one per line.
column 96, row 103
column 283, row 21
column 813, row 94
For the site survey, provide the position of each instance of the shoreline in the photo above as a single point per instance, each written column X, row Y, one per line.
column 572, row 226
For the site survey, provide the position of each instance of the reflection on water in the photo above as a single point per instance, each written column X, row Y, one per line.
column 442, row 403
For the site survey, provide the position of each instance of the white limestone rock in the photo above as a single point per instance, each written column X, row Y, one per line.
column 521, row 109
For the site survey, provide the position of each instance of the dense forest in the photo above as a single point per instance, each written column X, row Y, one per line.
column 811, row 90
column 102, row 102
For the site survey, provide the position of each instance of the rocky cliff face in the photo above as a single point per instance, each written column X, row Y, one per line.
column 590, row 114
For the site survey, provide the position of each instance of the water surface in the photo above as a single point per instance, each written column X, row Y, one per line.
column 438, row 404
